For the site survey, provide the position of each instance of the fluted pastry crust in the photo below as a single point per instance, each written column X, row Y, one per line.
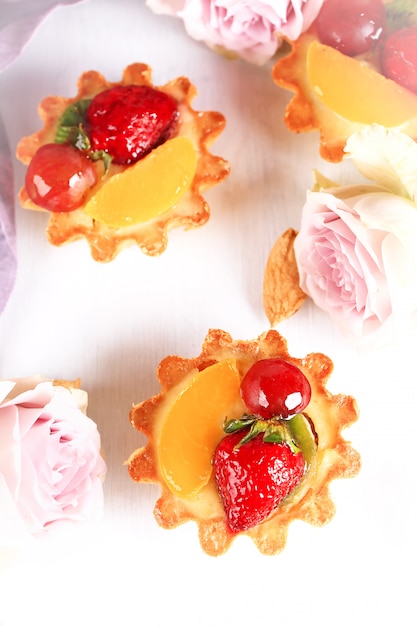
column 306, row 112
column 311, row 502
column 202, row 128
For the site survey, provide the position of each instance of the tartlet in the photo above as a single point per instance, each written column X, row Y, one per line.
column 179, row 453
column 193, row 132
column 338, row 94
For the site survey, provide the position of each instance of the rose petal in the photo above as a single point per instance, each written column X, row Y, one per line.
column 251, row 30
column 50, row 462
column 357, row 257
column 387, row 157
column 13, row 530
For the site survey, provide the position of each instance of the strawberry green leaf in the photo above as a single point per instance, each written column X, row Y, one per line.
column 279, row 433
column 275, row 430
column 275, row 434
column 259, row 426
column 70, row 125
column 70, row 130
column 235, row 425
column 96, row 155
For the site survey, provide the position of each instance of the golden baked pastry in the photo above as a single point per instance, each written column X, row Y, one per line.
column 186, row 451
column 338, row 90
column 154, row 178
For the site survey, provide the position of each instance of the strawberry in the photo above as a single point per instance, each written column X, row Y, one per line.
column 254, row 475
column 128, row 121
column 399, row 57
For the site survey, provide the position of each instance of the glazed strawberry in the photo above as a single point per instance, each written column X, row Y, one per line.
column 128, row 121
column 254, row 477
column 399, row 57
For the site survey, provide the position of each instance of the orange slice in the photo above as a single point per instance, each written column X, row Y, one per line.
column 193, row 426
column 148, row 188
column 355, row 91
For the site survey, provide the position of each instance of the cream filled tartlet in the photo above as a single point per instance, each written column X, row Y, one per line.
column 122, row 163
column 355, row 66
column 244, row 439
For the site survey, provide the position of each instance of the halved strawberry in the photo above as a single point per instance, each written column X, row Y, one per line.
column 128, row 121
column 254, row 475
column 399, row 57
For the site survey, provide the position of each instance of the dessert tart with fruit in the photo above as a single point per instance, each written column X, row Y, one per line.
column 244, row 439
column 122, row 163
column 355, row 66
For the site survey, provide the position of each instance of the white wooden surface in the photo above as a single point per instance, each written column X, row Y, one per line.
column 111, row 325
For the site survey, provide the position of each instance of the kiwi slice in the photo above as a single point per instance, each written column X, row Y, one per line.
column 303, row 435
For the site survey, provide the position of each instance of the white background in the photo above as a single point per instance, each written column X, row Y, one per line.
column 111, row 324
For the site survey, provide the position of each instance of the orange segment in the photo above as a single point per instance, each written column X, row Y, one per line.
column 146, row 189
column 355, row 91
column 193, row 426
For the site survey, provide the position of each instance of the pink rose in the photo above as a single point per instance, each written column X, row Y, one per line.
column 51, row 470
column 250, row 29
column 356, row 249
column 357, row 257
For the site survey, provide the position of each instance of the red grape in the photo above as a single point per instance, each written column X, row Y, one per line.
column 275, row 387
column 399, row 57
column 351, row 26
column 58, row 177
